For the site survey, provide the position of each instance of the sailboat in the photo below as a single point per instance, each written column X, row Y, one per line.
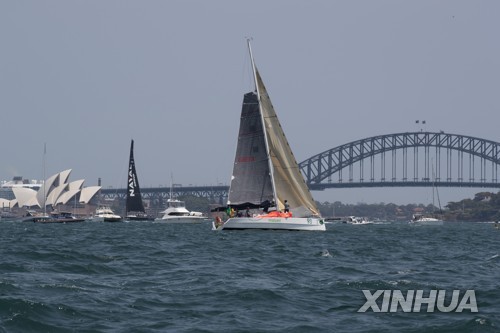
column 134, row 207
column 266, row 183
column 54, row 216
column 432, row 219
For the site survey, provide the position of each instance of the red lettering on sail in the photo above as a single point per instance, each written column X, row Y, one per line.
column 244, row 159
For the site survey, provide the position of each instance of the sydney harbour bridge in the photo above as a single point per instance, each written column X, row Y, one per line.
column 412, row 159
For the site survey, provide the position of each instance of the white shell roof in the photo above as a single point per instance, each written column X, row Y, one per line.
column 25, row 197
column 54, row 194
column 77, row 184
column 87, row 193
column 67, row 196
column 63, row 176
column 46, row 188
column 56, row 191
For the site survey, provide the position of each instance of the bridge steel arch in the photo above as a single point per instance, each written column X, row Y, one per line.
column 427, row 170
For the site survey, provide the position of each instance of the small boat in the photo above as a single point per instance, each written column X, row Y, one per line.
column 177, row 212
column 8, row 216
column 134, row 206
column 266, row 182
column 53, row 217
column 105, row 214
column 358, row 220
column 433, row 219
column 425, row 220
column 32, row 215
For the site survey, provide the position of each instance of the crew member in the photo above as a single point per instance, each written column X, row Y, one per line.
column 287, row 207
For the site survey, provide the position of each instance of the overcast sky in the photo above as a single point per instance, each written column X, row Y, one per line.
column 85, row 77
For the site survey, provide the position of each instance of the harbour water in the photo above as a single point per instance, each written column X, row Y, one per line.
column 154, row 277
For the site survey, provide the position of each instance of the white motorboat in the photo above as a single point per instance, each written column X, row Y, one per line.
column 58, row 217
column 358, row 220
column 105, row 214
column 266, row 181
column 177, row 212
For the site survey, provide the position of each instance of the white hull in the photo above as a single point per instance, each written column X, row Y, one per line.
column 105, row 214
column 274, row 223
column 182, row 219
column 106, row 219
column 358, row 220
column 425, row 220
column 429, row 221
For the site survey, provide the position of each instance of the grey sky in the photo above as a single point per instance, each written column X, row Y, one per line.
column 87, row 76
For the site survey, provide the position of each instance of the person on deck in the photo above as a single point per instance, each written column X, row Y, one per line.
column 287, row 207
column 266, row 205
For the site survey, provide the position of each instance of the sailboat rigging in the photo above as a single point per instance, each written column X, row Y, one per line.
column 433, row 218
column 265, row 173
column 54, row 216
column 435, row 189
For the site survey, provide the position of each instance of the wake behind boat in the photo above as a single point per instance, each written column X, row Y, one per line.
column 266, row 183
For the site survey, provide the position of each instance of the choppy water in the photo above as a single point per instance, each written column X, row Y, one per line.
column 153, row 277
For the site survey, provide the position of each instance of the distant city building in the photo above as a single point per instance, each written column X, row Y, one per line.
column 20, row 182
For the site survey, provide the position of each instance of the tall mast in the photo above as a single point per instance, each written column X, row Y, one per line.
column 271, row 169
column 171, row 184
column 44, row 189
column 254, row 72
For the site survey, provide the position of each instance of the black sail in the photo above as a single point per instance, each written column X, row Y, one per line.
column 134, row 199
column 251, row 183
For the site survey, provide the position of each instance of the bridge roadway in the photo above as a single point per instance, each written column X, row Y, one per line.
column 215, row 193
column 218, row 194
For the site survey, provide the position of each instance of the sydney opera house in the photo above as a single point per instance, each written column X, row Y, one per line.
column 56, row 192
